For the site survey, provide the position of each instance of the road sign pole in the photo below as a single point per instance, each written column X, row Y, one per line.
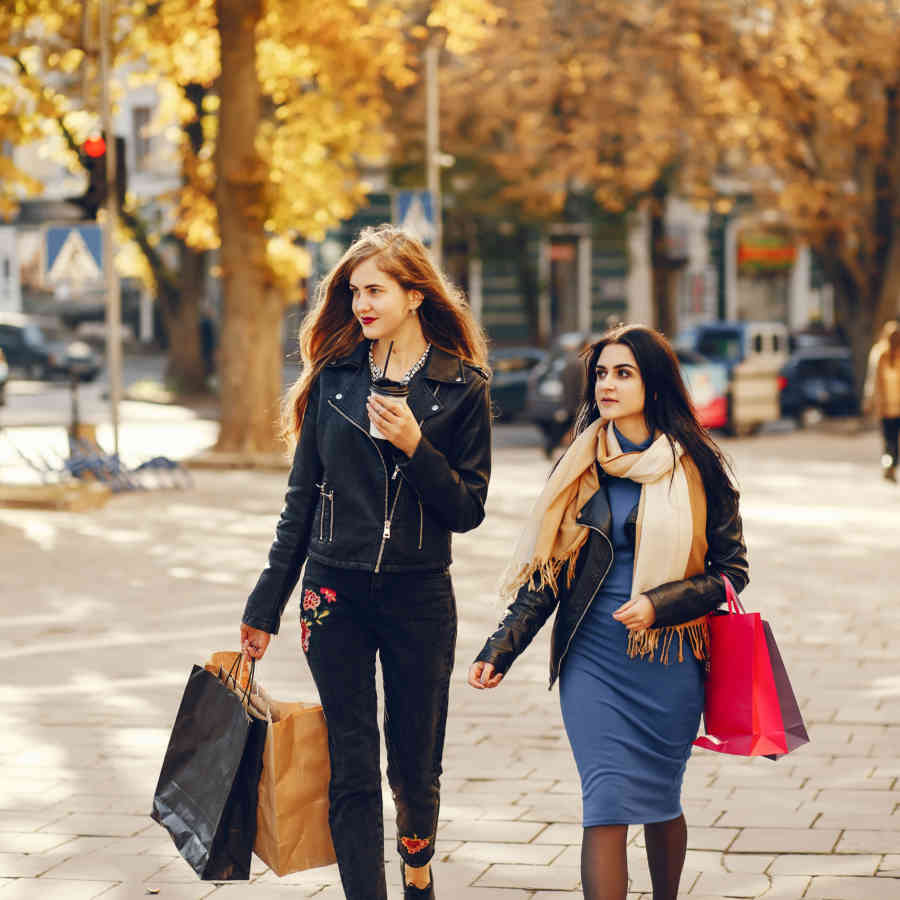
column 113, row 302
column 432, row 150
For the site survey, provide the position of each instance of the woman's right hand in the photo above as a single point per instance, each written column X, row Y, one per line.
column 253, row 641
column 482, row 675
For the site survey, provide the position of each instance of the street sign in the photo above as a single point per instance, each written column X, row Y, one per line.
column 74, row 255
column 414, row 213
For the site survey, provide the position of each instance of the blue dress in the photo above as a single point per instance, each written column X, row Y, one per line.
column 631, row 722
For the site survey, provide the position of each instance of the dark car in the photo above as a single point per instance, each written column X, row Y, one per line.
column 818, row 380
column 27, row 349
column 4, row 375
column 511, row 367
column 555, row 387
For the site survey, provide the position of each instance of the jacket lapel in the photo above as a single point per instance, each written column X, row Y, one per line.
column 350, row 397
column 596, row 513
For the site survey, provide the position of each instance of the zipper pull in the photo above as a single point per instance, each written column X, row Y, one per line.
column 396, row 472
column 387, row 529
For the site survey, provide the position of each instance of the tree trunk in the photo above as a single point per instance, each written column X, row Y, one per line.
column 854, row 314
column 186, row 367
column 887, row 301
column 250, row 349
column 178, row 297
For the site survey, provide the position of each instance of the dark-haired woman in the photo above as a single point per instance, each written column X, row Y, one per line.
column 629, row 540
column 377, row 485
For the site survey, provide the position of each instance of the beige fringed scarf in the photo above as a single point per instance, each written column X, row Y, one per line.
column 671, row 527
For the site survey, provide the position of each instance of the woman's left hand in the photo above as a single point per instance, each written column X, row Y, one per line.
column 395, row 421
column 636, row 614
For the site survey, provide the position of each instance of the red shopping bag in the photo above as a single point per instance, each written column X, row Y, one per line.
column 750, row 707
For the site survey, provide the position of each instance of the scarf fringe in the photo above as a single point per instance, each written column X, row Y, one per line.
column 646, row 643
column 537, row 575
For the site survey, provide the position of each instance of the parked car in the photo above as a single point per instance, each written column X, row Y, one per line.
column 753, row 354
column 818, row 380
column 707, row 382
column 4, row 375
column 28, row 349
column 734, row 342
column 511, row 367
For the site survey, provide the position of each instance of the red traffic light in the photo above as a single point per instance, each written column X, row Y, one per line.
column 94, row 147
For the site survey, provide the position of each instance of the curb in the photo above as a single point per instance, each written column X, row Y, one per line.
column 215, row 460
column 73, row 496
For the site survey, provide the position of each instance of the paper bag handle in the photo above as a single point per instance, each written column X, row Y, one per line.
column 233, row 676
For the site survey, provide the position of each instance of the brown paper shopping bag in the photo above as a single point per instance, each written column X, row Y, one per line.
column 292, row 831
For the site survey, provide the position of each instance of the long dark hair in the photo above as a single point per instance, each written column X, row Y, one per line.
column 667, row 405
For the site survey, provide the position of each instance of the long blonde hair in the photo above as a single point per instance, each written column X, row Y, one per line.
column 330, row 330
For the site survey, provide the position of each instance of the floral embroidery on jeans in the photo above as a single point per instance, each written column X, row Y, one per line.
column 311, row 613
column 415, row 844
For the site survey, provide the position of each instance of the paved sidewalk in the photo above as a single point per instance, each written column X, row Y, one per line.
column 105, row 612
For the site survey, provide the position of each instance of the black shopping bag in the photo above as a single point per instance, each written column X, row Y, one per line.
column 207, row 791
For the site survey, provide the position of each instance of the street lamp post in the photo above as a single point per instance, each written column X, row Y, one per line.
column 432, row 139
column 113, row 303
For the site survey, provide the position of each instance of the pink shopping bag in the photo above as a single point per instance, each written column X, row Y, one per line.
column 750, row 707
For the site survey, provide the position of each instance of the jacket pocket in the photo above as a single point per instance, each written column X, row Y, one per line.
column 326, row 513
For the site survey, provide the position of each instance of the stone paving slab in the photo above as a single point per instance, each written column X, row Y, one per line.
column 96, row 660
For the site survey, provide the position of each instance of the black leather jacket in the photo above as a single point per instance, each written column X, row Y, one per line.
column 675, row 602
column 355, row 503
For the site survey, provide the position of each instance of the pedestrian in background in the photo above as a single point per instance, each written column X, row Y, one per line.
column 882, row 393
column 629, row 540
column 374, row 516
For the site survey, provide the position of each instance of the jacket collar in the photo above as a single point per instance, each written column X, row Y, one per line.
column 442, row 366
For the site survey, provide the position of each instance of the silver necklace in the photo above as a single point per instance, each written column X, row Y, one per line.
column 377, row 373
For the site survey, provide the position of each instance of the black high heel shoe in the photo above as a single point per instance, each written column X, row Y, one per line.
column 411, row 892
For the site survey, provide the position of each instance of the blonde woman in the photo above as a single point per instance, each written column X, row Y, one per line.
column 377, row 486
column 882, row 393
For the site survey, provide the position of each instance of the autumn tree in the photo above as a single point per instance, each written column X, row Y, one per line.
column 612, row 100
column 818, row 140
column 279, row 109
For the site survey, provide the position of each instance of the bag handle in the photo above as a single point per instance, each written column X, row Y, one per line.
column 734, row 602
column 239, row 662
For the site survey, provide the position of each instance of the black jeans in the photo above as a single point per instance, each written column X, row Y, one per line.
column 410, row 620
column 890, row 429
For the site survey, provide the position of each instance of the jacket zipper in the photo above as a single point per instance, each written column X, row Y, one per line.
column 612, row 556
column 421, row 516
column 386, row 533
column 329, row 496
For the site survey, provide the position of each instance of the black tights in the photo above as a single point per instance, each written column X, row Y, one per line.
column 604, row 866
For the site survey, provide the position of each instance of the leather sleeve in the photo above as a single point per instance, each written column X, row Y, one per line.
column 680, row 601
column 288, row 551
column 455, row 490
column 523, row 620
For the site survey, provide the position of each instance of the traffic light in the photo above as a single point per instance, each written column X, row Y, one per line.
column 93, row 158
